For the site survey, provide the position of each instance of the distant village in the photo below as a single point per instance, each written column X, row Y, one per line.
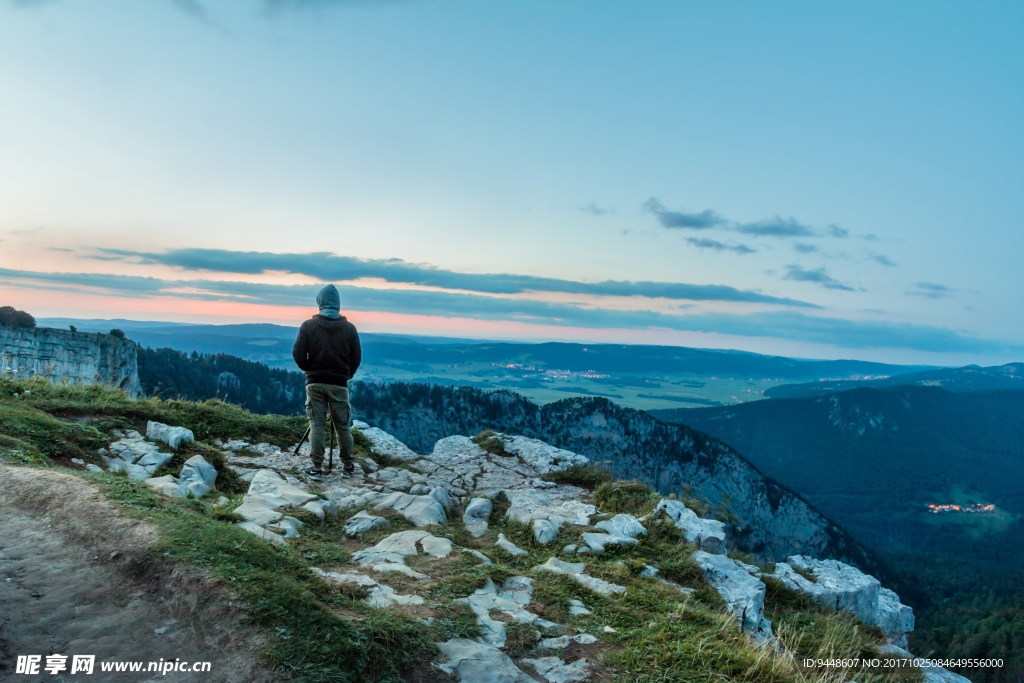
column 552, row 374
column 975, row 507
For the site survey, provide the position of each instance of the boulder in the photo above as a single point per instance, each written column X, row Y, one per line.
column 841, row 587
column 623, row 526
column 508, row 546
column 475, row 662
column 384, row 444
column 554, row 670
column 742, row 591
column 706, row 534
column 476, row 515
column 361, row 522
column 172, row 436
column 420, row 510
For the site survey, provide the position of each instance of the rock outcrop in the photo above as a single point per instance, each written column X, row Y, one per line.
column 66, row 357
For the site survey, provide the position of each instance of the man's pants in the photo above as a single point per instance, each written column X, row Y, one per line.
column 320, row 397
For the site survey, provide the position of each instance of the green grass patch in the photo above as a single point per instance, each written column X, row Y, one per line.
column 492, row 443
column 632, row 497
column 585, row 476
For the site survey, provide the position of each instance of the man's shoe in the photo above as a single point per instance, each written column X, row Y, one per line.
column 348, row 471
column 315, row 475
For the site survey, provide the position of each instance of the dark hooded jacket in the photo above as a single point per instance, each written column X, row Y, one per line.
column 327, row 348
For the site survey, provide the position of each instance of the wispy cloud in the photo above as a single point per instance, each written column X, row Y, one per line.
column 680, row 219
column 931, row 290
column 333, row 268
column 774, row 324
column 776, row 227
column 805, row 248
column 595, row 210
column 882, row 259
column 715, row 245
column 817, row 276
column 836, row 231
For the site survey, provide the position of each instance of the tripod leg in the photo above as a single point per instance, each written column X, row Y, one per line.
column 298, row 446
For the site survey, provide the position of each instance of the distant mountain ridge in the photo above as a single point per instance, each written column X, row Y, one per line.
column 1009, row 377
column 638, row 376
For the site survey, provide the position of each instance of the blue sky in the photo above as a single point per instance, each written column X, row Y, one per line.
column 815, row 179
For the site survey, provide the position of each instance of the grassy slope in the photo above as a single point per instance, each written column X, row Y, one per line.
column 320, row 632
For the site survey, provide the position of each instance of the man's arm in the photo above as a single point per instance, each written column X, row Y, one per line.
column 355, row 354
column 300, row 349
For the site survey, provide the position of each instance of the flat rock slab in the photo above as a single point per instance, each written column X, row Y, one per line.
column 474, row 662
column 384, row 444
column 511, row 600
column 420, row 510
column 623, row 526
column 554, row 670
column 381, row 595
column 508, row 546
column 574, row 570
column 396, row 547
column 195, row 480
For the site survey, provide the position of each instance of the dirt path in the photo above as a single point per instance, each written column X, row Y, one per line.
column 78, row 577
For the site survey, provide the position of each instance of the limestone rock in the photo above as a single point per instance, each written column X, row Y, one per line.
column 623, row 526
column 381, row 595
column 575, row 570
column 476, row 515
column 544, row 530
column 743, row 593
column 420, row 510
column 384, row 444
column 554, row 670
column 511, row 599
column 172, row 436
column 390, row 553
column 475, row 662
column 599, row 542
column 707, row 534
column 840, row 586
column 361, row 522
column 508, row 546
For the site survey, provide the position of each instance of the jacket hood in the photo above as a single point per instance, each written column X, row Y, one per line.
column 329, row 301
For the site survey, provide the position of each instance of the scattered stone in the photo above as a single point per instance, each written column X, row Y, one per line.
column 554, row 670
column 623, row 526
column 263, row 506
column 597, row 543
column 544, row 530
column 478, row 555
column 569, row 549
column 390, row 553
column 420, row 510
column 361, row 522
column 743, row 593
column 419, row 490
column 195, row 480
column 78, row 461
column 575, row 571
column 172, row 436
column 476, row 662
column 381, row 595
column 515, row 593
column 476, row 515
column 93, row 468
column 609, row 629
column 841, row 587
column 562, row 642
column 576, row 608
column 509, row 547
column 707, row 534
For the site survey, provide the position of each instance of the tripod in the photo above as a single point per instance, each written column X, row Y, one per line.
column 329, row 424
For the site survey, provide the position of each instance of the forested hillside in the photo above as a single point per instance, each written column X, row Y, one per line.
column 254, row 386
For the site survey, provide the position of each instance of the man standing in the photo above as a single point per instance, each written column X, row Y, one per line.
column 327, row 350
